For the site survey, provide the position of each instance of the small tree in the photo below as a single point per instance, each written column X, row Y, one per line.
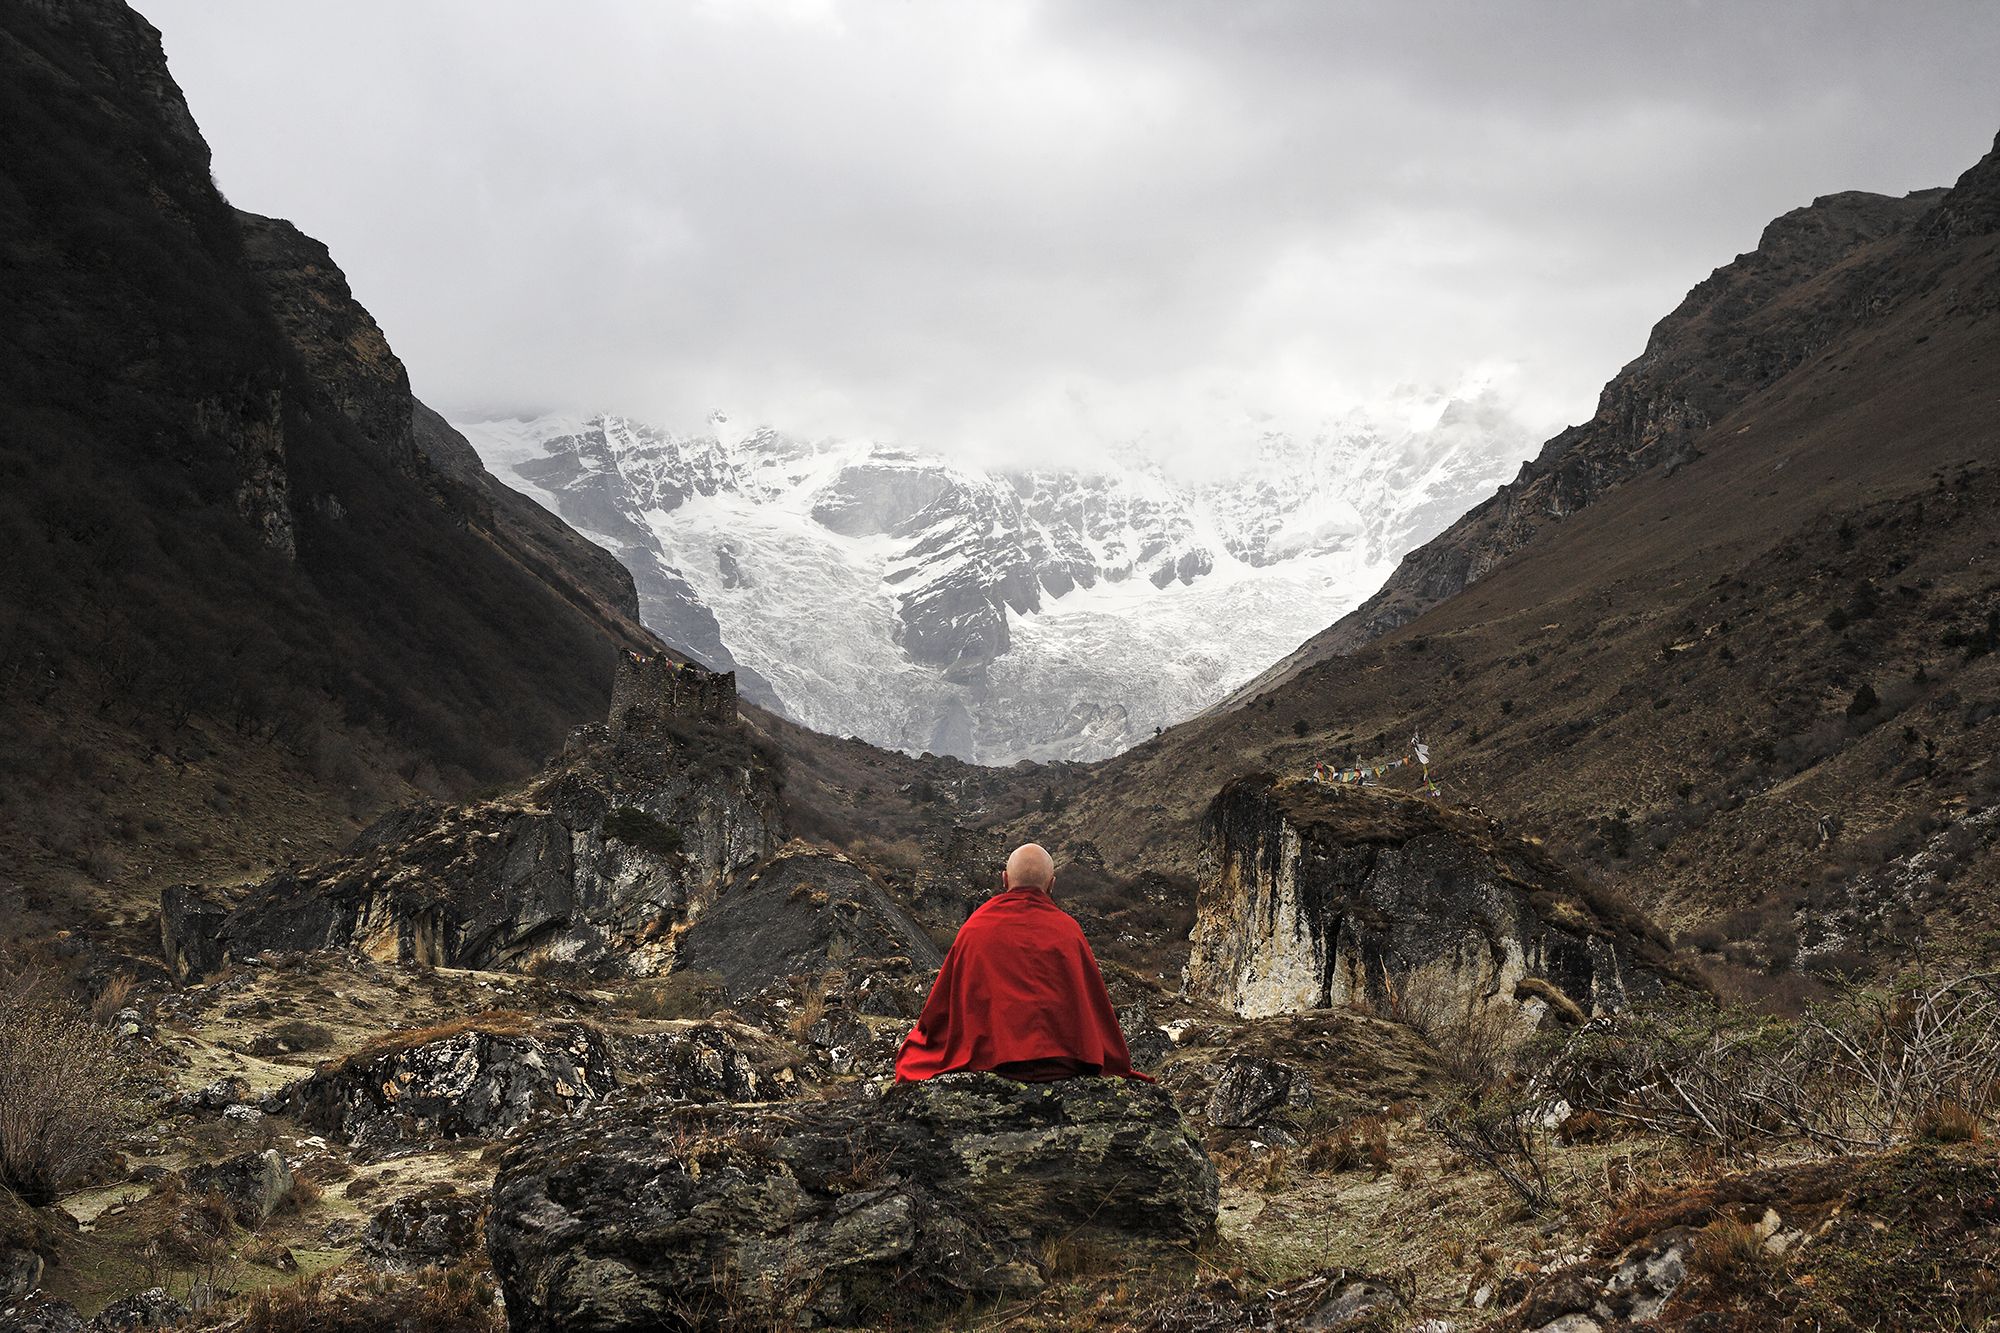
column 62, row 1092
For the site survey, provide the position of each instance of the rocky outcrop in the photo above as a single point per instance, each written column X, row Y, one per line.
column 633, row 1215
column 805, row 911
column 594, row 869
column 1312, row 896
column 151, row 1308
column 1252, row 1090
column 20, row 1272
column 481, row 1081
column 709, row 1060
column 251, row 1183
column 428, row 1229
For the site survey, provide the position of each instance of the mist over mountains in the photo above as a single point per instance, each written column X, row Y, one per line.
column 1040, row 614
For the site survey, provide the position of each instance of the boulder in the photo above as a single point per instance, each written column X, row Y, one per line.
column 1647, row 1277
column 592, row 871
column 191, row 920
column 151, row 1308
column 1252, row 1090
column 425, row 1230
column 805, row 911
column 1312, row 896
column 714, row 1061
column 40, row 1312
column 1144, row 1037
column 217, row 1096
column 252, row 1182
column 637, row 1213
column 20, row 1272
column 480, row 1079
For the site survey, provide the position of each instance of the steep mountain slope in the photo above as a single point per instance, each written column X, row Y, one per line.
column 219, row 540
column 1751, row 679
column 1818, row 273
column 995, row 616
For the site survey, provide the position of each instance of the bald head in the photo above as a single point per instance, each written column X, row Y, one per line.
column 1030, row 867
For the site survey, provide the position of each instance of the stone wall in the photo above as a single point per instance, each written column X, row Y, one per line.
column 650, row 691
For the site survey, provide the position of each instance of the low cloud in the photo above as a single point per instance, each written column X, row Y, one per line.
column 1022, row 230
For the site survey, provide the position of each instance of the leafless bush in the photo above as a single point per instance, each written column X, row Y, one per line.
column 1502, row 1133
column 678, row 995
column 103, row 864
column 1915, row 1049
column 1855, row 1074
column 62, row 1092
column 1472, row 1039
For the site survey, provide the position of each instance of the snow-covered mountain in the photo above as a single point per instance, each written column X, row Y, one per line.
column 1041, row 614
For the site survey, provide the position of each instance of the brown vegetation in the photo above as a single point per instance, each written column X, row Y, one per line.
column 62, row 1091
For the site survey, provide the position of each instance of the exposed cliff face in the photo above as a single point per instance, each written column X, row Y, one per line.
column 339, row 343
column 589, row 577
column 1313, row 896
column 1819, row 274
column 595, row 869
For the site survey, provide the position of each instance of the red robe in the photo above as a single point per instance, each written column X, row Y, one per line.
column 1019, row 994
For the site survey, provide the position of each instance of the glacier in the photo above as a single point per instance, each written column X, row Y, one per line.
column 998, row 616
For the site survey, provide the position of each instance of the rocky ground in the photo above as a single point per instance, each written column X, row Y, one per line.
column 323, row 1135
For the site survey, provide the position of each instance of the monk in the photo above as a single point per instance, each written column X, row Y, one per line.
column 1019, row 993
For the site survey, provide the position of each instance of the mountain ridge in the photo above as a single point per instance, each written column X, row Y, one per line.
column 222, row 552
column 992, row 615
column 1735, row 333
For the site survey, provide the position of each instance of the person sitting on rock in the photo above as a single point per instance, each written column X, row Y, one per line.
column 1019, row 993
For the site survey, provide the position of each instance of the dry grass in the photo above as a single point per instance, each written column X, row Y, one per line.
column 302, row 1197
column 495, row 1022
column 111, row 999
column 1725, row 1248
column 677, row 995
column 1360, row 1143
column 1950, row 1122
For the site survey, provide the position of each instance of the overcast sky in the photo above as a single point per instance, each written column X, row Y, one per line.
column 997, row 226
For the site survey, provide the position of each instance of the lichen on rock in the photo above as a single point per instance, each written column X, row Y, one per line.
column 636, row 1213
column 1313, row 896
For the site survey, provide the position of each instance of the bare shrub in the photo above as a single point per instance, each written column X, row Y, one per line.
column 103, row 864
column 62, row 1092
column 1502, row 1133
column 1854, row 1074
column 298, row 1034
column 678, row 995
column 1472, row 1039
column 1922, row 1046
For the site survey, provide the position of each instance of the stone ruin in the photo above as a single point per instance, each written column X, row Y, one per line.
column 649, row 692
